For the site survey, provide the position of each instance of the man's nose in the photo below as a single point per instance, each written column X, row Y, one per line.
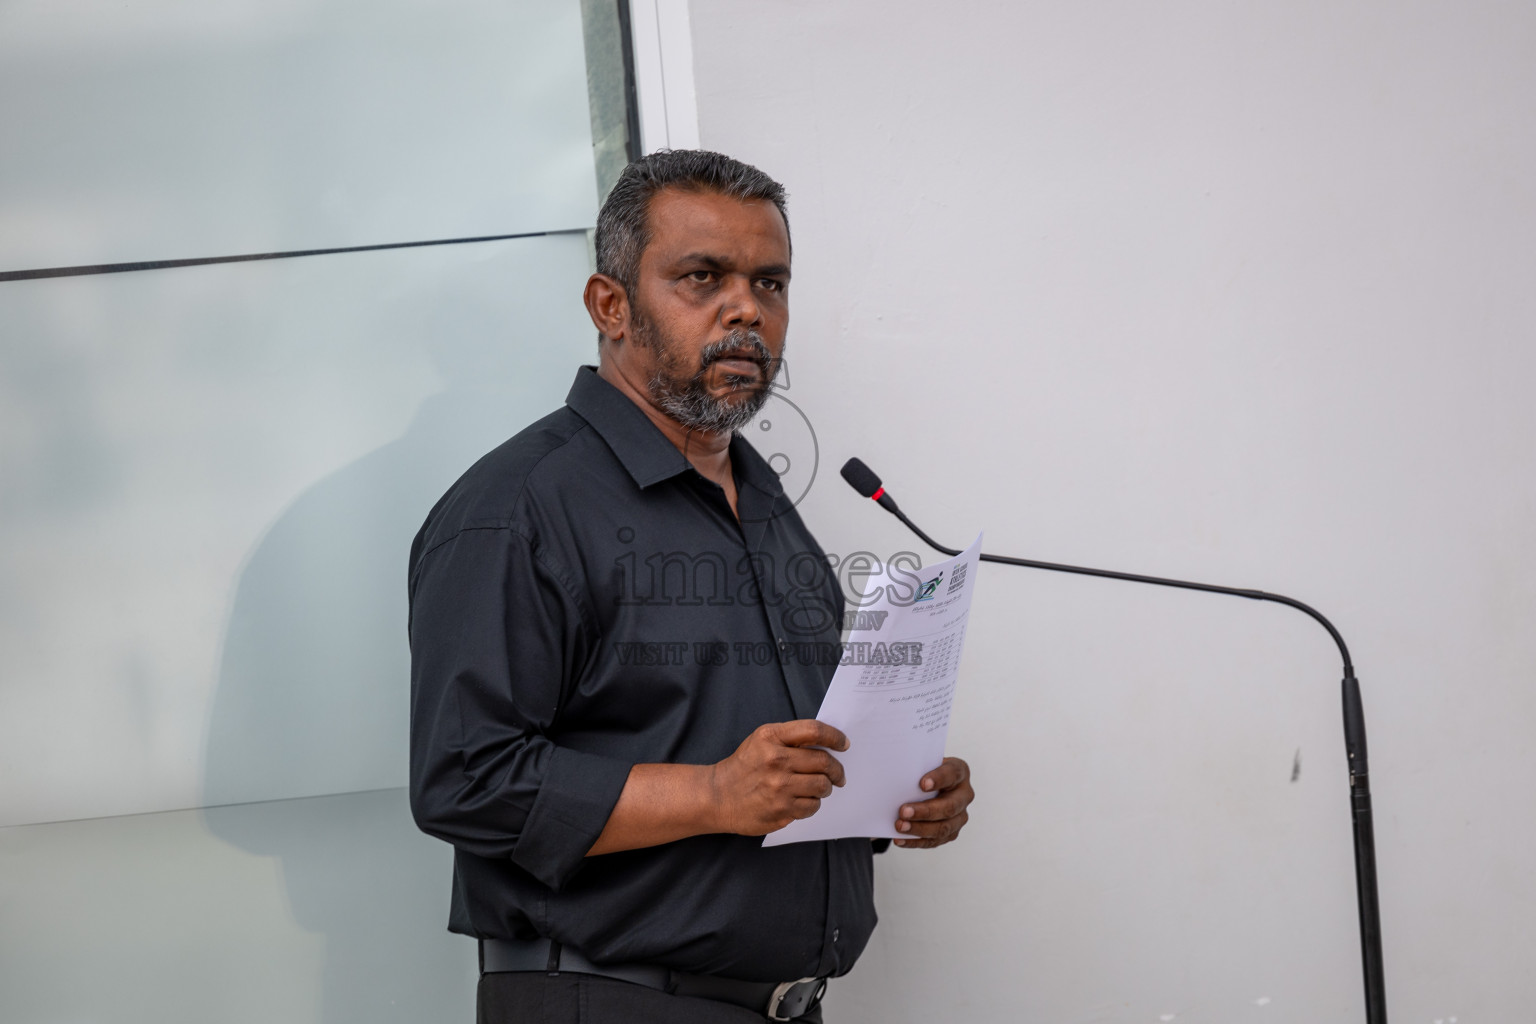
column 740, row 308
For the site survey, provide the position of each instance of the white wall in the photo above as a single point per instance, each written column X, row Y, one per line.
column 1232, row 292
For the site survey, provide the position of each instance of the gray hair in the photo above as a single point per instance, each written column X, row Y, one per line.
column 622, row 230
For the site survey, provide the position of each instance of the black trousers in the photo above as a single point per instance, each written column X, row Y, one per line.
column 533, row 997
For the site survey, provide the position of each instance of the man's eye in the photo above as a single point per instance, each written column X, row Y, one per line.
column 770, row 284
column 702, row 276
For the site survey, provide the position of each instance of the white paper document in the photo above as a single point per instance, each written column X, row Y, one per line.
column 891, row 697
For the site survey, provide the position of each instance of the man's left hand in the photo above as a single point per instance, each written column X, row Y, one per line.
column 937, row 820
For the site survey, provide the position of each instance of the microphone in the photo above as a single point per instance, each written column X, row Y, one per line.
column 866, row 482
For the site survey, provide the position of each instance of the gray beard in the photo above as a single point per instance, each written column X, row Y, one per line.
column 688, row 401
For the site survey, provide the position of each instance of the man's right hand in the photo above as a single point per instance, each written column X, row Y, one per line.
column 776, row 776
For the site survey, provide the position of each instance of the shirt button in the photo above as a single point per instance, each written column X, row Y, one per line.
column 782, row 644
column 837, row 933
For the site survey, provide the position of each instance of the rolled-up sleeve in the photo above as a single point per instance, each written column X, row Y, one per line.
column 497, row 637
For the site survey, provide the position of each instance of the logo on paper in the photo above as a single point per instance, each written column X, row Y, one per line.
column 928, row 589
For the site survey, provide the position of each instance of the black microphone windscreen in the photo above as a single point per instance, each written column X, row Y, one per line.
column 860, row 477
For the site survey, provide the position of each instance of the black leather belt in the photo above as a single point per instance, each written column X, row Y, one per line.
column 782, row 1001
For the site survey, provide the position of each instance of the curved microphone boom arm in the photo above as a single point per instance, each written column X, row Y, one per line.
column 864, row 480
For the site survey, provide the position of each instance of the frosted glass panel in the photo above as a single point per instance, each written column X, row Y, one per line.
column 168, row 129
column 323, row 911
column 211, row 481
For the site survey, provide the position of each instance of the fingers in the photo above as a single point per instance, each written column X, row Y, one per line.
column 804, row 808
column 800, row 739
column 807, row 732
column 924, row 834
column 953, row 783
column 803, row 792
column 940, row 808
column 780, row 772
column 939, row 819
column 809, row 787
column 816, row 762
column 946, row 776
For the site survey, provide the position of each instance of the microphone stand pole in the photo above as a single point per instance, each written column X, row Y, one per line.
column 1354, row 744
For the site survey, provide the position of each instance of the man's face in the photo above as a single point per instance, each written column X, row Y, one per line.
column 711, row 306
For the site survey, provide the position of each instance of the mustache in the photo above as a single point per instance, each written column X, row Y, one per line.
column 740, row 345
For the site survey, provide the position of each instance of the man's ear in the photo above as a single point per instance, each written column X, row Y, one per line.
column 608, row 306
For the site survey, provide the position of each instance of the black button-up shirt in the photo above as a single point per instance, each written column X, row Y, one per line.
column 583, row 600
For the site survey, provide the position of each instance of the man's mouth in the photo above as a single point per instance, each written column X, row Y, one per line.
column 738, row 362
column 739, row 365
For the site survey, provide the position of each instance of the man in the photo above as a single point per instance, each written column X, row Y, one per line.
column 606, row 711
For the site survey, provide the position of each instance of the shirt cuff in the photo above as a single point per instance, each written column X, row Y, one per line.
column 576, row 796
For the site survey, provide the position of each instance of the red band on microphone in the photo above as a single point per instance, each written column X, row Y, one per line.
column 876, row 495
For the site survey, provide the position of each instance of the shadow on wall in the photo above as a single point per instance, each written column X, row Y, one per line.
column 313, row 687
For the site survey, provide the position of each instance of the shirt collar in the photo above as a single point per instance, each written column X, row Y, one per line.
column 752, row 470
column 643, row 449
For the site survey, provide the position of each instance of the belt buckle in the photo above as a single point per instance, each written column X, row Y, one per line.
column 790, row 999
